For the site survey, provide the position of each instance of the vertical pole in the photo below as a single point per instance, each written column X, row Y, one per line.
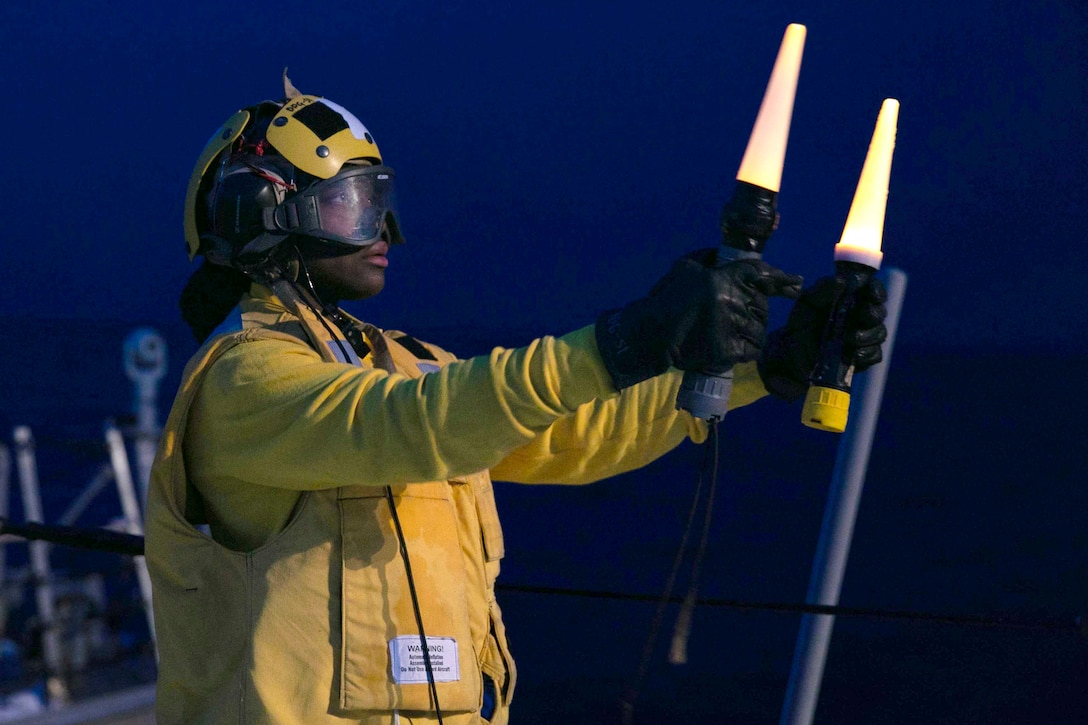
column 833, row 548
column 39, row 566
column 130, row 507
column 5, row 498
column 5, row 505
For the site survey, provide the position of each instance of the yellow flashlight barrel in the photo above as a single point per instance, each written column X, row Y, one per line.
column 826, row 409
column 827, row 404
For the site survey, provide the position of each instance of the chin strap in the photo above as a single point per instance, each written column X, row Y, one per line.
column 291, row 283
column 356, row 332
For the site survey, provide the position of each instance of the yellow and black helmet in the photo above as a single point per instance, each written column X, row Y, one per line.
column 304, row 166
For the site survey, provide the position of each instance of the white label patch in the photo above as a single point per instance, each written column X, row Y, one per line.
column 406, row 655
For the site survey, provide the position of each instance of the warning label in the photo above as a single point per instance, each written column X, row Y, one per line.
column 410, row 666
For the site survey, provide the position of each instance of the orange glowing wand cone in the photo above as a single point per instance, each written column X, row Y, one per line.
column 751, row 215
column 766, row 152
column 747, row 221
column 857, row 257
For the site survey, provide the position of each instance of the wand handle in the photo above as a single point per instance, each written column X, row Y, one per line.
column 750, row 215
column 748, row 220
column 827, row 404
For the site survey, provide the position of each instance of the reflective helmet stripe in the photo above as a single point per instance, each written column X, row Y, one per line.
column 224, row 136
column 319, row 137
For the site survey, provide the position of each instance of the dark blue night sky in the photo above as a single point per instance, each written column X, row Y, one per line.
column 552, row 160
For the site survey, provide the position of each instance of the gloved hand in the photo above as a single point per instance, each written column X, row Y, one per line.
column 792, row 350
column 697, row 317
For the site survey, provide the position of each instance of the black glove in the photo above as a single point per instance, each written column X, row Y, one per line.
column 697, row 317
column 792, row 351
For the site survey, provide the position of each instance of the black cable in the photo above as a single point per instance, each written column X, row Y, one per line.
column 86, row 447
column 700, row 553
column 627, row 703
column 355, row 341
column 321, row 318
column 415, row 601
column 354, row 338
column 1054, row 624
column 94, row 539
column 682, row 631
column 133, row 545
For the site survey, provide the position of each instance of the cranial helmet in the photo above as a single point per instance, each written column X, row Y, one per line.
column 302, row 167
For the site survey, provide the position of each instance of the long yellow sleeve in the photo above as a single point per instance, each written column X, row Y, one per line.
column 271, row 418
column 610, row 436
column 271, row 412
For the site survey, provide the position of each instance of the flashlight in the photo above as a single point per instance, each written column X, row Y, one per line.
column 750, row 215
column 857, row 258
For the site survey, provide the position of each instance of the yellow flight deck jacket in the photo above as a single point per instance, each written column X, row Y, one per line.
column 296, row 608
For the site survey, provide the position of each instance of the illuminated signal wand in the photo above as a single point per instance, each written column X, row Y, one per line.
column 751, row 215
column 748, row 220
column 857, row 258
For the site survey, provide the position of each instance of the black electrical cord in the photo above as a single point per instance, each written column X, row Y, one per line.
column 678, row 649
column 355, row 339
column 352, row 340
column 627, row 702
column 133, row 545
column 1078, row 625
column 415, row 601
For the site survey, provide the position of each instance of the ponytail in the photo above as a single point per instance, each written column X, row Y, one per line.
column 210, row 294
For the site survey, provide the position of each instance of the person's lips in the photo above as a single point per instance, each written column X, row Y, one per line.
column 376, row 254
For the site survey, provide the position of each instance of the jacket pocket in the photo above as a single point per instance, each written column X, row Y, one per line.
column 381, row 659
column 497, row 661
column 488, row 514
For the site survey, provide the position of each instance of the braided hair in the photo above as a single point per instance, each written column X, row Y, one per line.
column 210, row 294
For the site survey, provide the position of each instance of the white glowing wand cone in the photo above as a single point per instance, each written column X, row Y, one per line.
column 857, row 257
column 864, row 230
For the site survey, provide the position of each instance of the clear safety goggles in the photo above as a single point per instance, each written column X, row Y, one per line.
column 350, row 208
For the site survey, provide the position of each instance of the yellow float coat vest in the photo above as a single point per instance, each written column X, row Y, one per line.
column 316, row 625
column 250, row 628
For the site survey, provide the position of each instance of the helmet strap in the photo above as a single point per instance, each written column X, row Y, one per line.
column 260, row 245
column 356, row 332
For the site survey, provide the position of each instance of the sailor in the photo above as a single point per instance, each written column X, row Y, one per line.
column 322, row 535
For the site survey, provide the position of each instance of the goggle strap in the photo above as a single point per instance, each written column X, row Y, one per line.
column 293, row 215
column 258, row 246
column 268, row 219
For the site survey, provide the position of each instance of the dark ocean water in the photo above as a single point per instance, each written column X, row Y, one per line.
column 974, row 504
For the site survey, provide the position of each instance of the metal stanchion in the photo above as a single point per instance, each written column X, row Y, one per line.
column 840, row 513
column 122, row 476
column 39, row 565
